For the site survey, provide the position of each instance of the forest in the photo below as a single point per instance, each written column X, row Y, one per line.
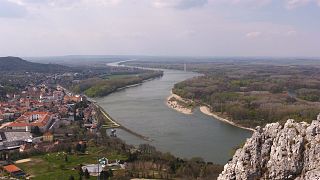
column 257, row 94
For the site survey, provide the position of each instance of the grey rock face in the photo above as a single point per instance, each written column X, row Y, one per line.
column 279, row 152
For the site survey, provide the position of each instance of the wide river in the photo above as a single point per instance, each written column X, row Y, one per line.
column 143, row 109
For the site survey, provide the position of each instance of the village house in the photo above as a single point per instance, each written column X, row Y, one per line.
column 47, row 137
column 75, row 98
column 14, row 171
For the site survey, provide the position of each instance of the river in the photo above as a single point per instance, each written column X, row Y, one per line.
column 143, row 109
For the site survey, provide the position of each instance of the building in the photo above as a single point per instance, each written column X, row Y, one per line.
column 47, row 137
column 14, row 171
column 76, row 98
column 30, row 120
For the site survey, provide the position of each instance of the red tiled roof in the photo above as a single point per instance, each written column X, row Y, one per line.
column 17, row 124
column 72, row 98
column 36, row 112
column 23, row 120
column 11, row 168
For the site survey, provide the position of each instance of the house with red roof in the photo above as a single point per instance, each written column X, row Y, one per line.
column 47, row 137
column 75, row 98
column 32, row 119
column 14, row 170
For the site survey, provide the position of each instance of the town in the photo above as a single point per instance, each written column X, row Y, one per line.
column 34, row 120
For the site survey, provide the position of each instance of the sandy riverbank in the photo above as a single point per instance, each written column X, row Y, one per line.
column 206, row 110
column 176, row 106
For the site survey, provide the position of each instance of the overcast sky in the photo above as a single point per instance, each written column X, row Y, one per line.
column 160, row 27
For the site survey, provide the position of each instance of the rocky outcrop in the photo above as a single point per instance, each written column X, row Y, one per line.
column 279, row 152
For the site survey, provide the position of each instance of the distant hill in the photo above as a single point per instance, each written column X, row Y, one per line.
column 16, row 64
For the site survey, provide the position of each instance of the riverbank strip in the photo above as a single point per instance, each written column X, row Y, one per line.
column 206, row 110
column 113, row 123
column 118, row 125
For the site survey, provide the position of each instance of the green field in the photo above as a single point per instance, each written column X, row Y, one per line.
column 53, row 165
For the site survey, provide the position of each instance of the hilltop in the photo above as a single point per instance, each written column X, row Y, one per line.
column 16, row 64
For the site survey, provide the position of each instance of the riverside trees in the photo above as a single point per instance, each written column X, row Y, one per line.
column 96, row 87
column 256, row 94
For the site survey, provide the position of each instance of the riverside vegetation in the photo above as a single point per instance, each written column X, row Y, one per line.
column 102, row 86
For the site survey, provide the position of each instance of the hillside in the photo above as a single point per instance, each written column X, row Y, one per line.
column 16, row 64
column 291, row 151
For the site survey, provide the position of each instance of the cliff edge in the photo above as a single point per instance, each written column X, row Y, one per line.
column 291, row 151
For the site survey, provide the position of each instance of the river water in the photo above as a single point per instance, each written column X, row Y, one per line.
column 143, row 109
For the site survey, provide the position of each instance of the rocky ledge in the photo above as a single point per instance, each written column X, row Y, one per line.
column 291, row 151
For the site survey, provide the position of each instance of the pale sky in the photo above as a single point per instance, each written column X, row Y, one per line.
column 160, row 27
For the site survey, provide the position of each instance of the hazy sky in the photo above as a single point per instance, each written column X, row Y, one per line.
column 160, row 27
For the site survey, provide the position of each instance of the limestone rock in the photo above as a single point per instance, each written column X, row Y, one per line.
column 279, row 152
